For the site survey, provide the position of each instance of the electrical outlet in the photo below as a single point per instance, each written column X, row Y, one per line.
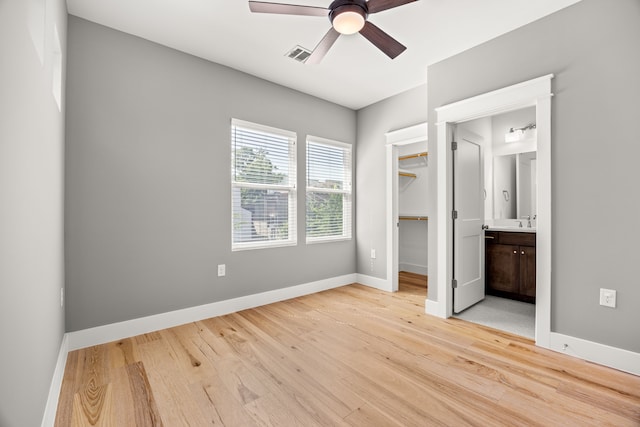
column 61, row 297
column 608, row 297
column 373, row 254
column 222, row 270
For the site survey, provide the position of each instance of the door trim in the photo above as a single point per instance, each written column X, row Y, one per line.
column 536, row 92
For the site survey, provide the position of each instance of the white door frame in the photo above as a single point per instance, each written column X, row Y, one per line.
column 536, row 92
column 394, row 139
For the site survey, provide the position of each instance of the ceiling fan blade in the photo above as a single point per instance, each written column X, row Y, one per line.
column 287, row 9
column 383, row 41
column 376, row 6
column 323, row 47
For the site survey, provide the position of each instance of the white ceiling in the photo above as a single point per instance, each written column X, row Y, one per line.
column 354, row 73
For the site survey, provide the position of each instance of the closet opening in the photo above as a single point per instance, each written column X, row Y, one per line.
column 407, row 188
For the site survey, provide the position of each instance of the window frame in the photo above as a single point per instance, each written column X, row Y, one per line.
column 347, row 191
column 290, row 188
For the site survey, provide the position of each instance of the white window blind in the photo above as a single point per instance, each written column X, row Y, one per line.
column 328, row 207
column 263, row 186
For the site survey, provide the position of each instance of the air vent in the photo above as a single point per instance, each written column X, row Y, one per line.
column 299, row 53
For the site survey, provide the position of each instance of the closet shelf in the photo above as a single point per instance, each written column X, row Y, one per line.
column 407, row 173
column 417, row 159
column 413, row 156
column 413, row 218
column 410, row 161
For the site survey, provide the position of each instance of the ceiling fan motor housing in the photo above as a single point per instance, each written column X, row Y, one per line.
column 340, row 6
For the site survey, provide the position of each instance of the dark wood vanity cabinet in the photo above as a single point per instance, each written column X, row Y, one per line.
column 510, row 265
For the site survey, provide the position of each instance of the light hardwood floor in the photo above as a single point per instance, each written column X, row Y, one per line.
column 407, row 279
column 351, row 356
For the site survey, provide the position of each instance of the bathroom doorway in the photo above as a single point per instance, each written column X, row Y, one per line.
column 533, row 93
column 495, row 198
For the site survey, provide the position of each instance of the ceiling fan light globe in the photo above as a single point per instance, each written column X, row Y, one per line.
column 348, row 22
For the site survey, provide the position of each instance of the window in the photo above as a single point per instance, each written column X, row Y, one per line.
column 328, row 190
column 263, row 186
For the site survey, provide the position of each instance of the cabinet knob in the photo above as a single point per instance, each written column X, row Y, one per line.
column 515, row 252
column 522, row 253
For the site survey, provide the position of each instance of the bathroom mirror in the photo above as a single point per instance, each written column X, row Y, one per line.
column 514, row 185
column 510, row 165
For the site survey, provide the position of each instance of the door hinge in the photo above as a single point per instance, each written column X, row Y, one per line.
column 454, row 145
column 454, row 214
column 454, row 283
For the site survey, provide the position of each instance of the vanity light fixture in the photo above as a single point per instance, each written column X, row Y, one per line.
column 518, row 134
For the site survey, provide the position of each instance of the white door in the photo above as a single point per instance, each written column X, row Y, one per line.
column 468, row 235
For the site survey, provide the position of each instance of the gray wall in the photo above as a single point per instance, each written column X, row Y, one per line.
column 400, row 111
column 31, row 188
column 148, row 208
column 592, row 48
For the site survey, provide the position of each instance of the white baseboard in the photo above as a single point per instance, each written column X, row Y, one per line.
column 413, row 268
column 49, row 417
column 143, row 325
column 602, row 354
column 434, row 308
column 374, row 282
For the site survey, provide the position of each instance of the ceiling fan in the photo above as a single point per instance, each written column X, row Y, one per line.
column 347, row 17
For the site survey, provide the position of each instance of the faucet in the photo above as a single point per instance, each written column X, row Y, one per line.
column 528, row 218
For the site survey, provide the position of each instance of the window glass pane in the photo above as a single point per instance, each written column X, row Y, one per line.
column 260, row 215
column 325, row 214
column 325, row 166
column 260, row 157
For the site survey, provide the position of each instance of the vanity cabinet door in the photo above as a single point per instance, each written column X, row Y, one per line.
column 510, row 265
column 502, row 268
column 528, row 271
